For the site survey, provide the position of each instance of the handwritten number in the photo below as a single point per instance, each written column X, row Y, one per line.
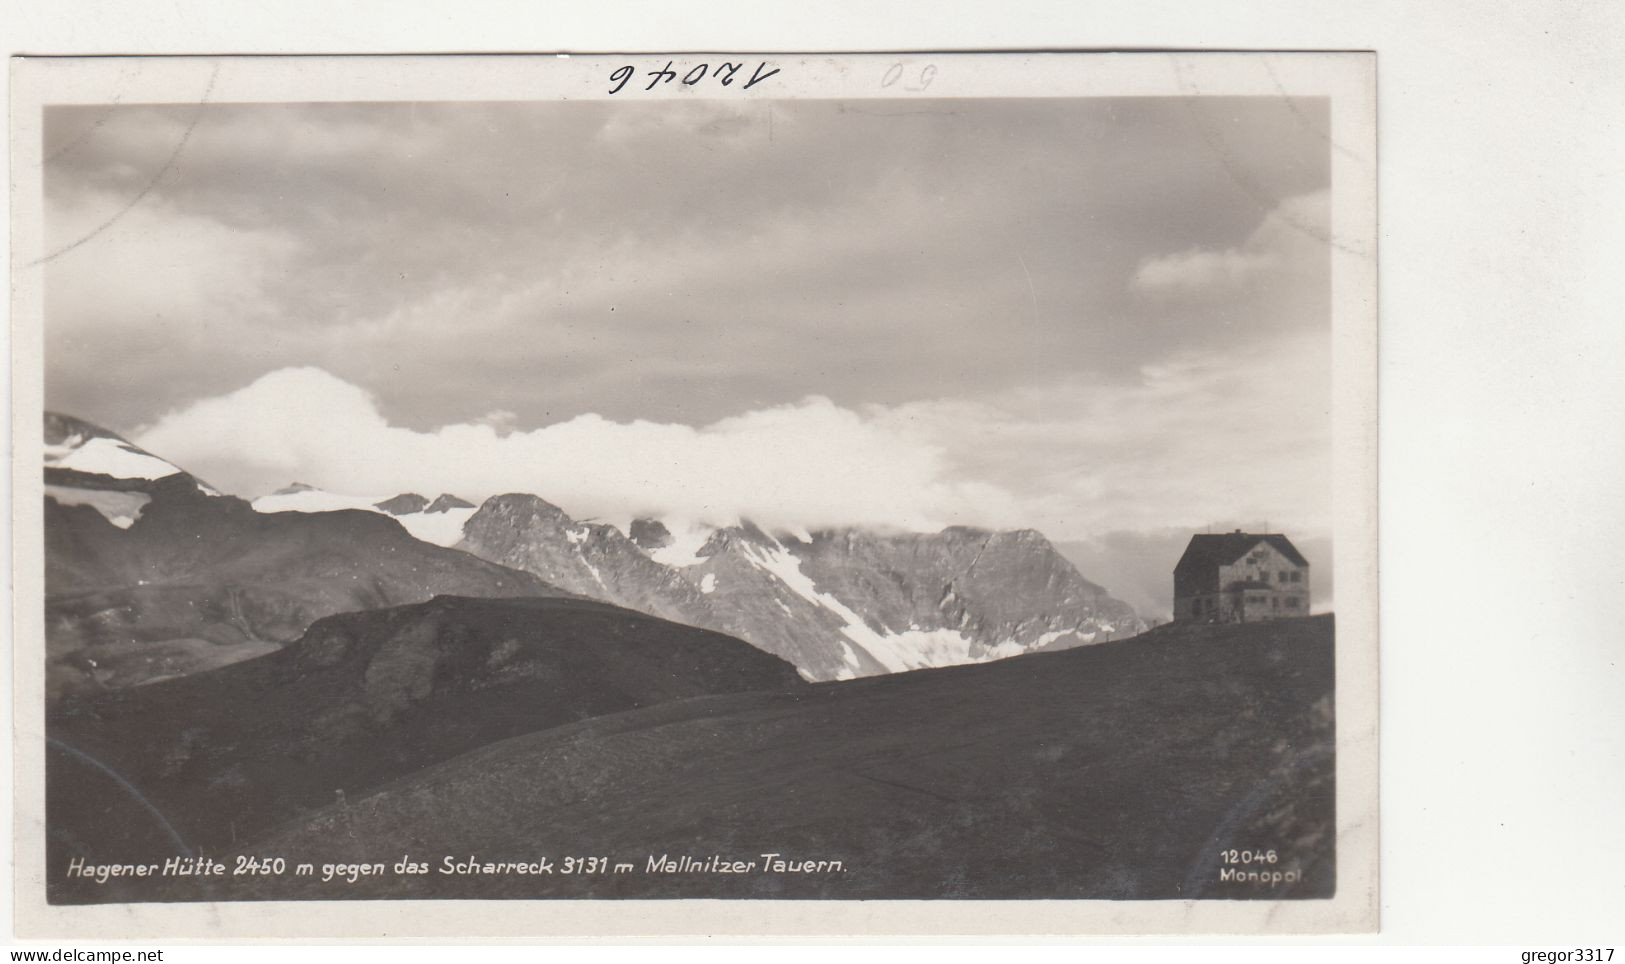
column 894, row 73
column 724, row 75
column 758, row 76
column 665, row 75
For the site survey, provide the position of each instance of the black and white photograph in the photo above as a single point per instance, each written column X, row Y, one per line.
column 747, row 478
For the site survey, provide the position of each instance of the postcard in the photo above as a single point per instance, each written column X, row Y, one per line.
column 695, row 494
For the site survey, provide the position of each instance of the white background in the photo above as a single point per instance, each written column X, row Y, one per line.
column 1502, row 260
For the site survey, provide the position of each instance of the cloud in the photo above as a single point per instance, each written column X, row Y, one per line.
column 1238, row 432
column 1205, row 436
column 644, row 260
column 1231, row 267
column 1290, row 235
column 808, row 463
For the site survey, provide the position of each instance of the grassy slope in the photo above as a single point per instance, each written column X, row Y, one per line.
column 1113, row 771
column 363, row 698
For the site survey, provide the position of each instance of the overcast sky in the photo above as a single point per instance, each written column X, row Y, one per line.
column 1082, row 315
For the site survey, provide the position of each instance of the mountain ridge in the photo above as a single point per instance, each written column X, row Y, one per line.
column 148, row 578
column 838, row 603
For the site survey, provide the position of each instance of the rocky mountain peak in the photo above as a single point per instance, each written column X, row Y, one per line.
column 522, row 508
column 445, row 502
column 590, row 558
column 60, row 428
column 295, row 488
column 81, row 457
column 837, row 603
column 734, row 537
column 404, row 504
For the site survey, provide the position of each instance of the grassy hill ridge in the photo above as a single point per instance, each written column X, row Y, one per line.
column 217, row 758
column 1124, row 770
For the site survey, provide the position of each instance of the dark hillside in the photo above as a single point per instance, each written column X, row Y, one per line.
column 1121, row 770
column 361, row 699
column 201, row 580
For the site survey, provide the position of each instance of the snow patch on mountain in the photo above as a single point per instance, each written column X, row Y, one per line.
column 441, row 528
column 111, row 457
column 596, row 575
column 306, row 499
column 851, row 664
column 1048, row 638
column 787, row 568
column 920, row 648
column 925, row 649
column 119, row 508
column 708, row 585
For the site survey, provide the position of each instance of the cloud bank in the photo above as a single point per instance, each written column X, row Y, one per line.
column 808, row 463
column 1290, row 240
column 1200, row 438
column 675, row 262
